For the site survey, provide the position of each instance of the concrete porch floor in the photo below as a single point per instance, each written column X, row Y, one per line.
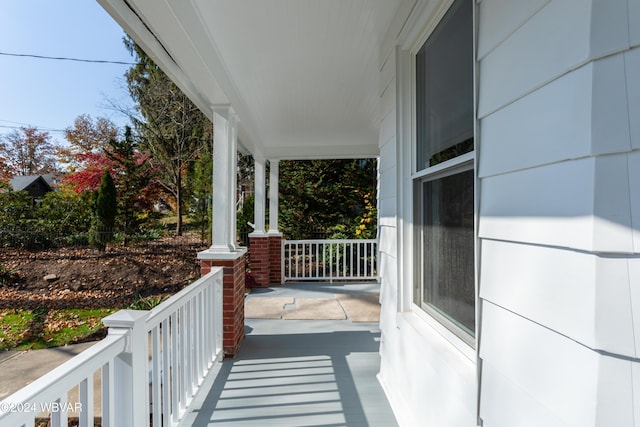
column 298, row 372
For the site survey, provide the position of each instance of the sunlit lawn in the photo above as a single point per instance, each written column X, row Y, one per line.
column 42, row 328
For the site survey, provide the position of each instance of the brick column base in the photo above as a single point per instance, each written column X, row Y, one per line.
column 259, row 259
column 275, row 258
column 233, row 295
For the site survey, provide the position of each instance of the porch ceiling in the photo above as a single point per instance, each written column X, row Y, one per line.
column 302, row 76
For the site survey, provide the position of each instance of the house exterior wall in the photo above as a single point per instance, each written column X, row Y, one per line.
column 558, row 223
column 427, row 381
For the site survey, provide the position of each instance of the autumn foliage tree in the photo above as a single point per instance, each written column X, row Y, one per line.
column 134, row 174
column 28, row 151
column 131, row 170
column 87, row 176
column 5, row 173
column 172, row 129
column 87, row 138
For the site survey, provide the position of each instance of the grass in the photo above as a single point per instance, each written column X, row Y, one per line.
column 43, row 328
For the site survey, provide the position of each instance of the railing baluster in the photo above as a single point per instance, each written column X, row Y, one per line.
column 193, row 347
column 175, row 372
column 324, row 258
column 60, row 418
column 156, row 375
column 350, row 259
column 167, row 389
column 331, row 261
column 188, row 354
column 304, row 260
column 207, row 330
column 107, row 395
column 86, row 401
column 358, row 275
column 300, row 260
column 181, row 361
column 317, row 260
column 201, row 340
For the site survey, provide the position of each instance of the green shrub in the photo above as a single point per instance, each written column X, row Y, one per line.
column 105, row 210
column 15, row 207
column 65, row 212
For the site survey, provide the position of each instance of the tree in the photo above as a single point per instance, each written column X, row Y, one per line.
column 5, row 173
column 28, row 151
column 86, row 136
column 133, row 172
column 327, row 195
column 104, row 215
column 173, row 130
column 202, row 191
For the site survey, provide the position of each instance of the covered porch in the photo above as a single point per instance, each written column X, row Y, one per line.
column 314, row 372
column 281, row 80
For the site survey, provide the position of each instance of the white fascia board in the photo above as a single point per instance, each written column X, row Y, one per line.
column 324, row 152
column 140, row 33
column 143, row 36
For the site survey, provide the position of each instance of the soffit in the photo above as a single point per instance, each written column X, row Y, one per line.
column 302, row 75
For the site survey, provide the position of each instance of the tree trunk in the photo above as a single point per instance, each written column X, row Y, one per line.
column 179, row 205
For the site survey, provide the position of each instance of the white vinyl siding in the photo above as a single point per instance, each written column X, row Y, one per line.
column 558, row 213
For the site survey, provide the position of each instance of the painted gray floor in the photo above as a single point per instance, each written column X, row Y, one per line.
column 297, row 373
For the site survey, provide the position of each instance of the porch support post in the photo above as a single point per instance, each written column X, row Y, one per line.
column 275, row 237
column 274, row 170
column 223, row 251
column 223, row 196
column 259, row 196
column 258, row 240
column 233, row 179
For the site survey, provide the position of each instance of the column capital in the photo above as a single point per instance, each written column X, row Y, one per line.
column 225, row 110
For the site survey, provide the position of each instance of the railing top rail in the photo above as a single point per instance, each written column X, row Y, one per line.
column 332, row 241
column 162, row 310
column 57, row 382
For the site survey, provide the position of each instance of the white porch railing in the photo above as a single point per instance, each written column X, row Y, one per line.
column 329, row 260
column 150, row 366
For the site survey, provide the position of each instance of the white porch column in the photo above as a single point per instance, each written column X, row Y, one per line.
column 233, row 182
column 274, row 169
column 259, row 196
column 223, row 196
column 223, row 251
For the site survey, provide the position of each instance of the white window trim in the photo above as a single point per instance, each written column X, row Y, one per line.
column 418, row 29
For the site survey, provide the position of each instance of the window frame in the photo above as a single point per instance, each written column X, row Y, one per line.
column 468, row 161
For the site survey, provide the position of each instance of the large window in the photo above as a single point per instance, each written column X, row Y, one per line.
column 444, row 177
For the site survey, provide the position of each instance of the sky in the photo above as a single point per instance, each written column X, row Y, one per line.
column 50, row 94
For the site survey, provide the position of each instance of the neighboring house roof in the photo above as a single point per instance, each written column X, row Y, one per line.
column 19, row 183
